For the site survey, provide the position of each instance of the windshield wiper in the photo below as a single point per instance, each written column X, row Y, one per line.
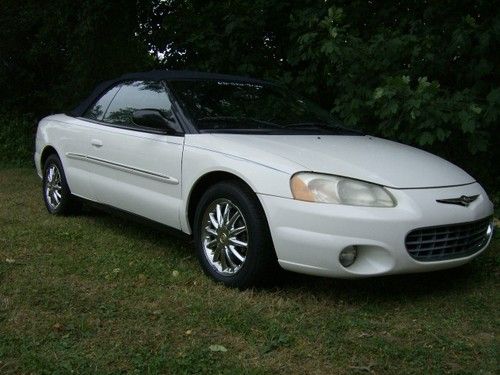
column 228, row 123
column 299, row 125
column 323, row 126
column 238, row 119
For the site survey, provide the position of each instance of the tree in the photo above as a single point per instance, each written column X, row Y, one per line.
column 425, row 73
column 52, row 55
column 422, row 72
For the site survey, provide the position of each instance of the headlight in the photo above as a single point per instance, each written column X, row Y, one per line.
column 315, row 187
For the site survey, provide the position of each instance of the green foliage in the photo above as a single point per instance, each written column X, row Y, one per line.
column 424, row 73
column 16, row 140
column 417, row 72
column 52, row 55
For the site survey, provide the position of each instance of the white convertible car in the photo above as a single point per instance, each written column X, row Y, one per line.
column 260, row 177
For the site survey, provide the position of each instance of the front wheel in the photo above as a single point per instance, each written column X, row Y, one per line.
column 232, row 236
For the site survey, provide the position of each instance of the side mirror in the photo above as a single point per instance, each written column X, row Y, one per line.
column 153, row 119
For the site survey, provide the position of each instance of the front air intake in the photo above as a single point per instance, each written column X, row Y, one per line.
column 448, row 241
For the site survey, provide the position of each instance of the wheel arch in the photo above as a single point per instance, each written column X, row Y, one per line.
column 201, row 185
column 47, row 151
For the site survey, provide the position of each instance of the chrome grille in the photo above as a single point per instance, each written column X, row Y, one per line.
column 447, row 241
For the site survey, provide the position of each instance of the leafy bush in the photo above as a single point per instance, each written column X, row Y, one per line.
column 415, row 74
column 424, row 73
column 16, row 140
column 420, row 72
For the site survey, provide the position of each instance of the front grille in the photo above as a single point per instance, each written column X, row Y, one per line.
column 447, row 241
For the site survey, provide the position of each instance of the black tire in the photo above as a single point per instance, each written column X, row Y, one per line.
column 260, row 263
column 67, row 203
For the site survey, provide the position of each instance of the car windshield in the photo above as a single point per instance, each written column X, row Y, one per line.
column 244, row 107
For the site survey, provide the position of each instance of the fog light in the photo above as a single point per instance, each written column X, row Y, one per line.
column 348, row 256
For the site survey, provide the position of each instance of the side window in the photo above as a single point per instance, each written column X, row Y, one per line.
column 96, row 111
column 138, row 95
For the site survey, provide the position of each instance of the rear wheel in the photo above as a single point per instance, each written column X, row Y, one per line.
column 232, row 236
column 56, row 194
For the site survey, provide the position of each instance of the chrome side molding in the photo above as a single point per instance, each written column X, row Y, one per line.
column 124, row 168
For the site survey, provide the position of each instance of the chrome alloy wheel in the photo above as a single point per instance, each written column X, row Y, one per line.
column 53, row 186
column 225, row 237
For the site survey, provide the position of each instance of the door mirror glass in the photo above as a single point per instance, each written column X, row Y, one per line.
column 152, row 118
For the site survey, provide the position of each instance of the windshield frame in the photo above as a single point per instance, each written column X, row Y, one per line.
column 335, row 127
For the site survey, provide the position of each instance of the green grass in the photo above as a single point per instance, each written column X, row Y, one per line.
column 98, row 294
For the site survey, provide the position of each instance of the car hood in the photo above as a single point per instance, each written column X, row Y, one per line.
column 361, row 157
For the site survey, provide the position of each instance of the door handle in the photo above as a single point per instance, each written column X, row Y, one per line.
column 96, row 142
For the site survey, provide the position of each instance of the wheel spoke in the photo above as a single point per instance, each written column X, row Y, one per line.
column 223, row 259
column 225, row 216
column 216, row 254
column 48, row 194
column 213, row 221
column 235, row 231
column 210, row 231
column 210, row 242
column 235, row 252
column 50, row 176
column 237, row 242
column 233, row 219
column 220, row 220
column 228, row 257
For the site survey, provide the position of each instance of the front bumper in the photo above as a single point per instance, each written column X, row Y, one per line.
column 308, row 237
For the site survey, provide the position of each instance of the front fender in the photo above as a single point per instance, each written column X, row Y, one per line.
column 198, row 162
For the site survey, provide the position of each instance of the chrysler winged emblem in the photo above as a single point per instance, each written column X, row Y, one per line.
column 464, row 200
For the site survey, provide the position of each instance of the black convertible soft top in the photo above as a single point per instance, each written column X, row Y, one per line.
column 156, row 75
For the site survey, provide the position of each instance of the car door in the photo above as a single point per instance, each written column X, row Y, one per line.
column 137, row 169
column 75, row 146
